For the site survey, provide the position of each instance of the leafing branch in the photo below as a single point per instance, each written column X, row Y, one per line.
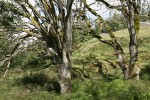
column 93, row 33
column 102, row 20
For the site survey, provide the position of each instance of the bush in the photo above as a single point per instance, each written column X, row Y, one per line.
column 87, row 89
column 116, row 22
column 115, row 90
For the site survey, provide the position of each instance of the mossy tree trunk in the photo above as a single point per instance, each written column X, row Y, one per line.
column 133, row 48
column 131, row 13
column 130, row 9
column 64, row 73
column 114, row 43
column 54, row 27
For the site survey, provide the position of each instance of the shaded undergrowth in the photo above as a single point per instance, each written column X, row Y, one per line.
column 35, row 88
column 40, row 80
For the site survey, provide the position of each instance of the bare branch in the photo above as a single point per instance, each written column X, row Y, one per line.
column 14, row 51
column 33, row 20
column 69, row 8
column 36, row 13
column 93, row 33
column 102, row 20
column 31, row 33
column 118, row 7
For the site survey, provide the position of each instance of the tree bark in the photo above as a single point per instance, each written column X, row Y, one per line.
column 113, row 42
column 55, row 30
column 133, row 47
column 130, row 10
column 65, row 56
column 64, row 73
column 121, row 59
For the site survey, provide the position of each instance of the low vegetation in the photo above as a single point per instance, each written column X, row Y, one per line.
column 60, row 53
column 89, row 83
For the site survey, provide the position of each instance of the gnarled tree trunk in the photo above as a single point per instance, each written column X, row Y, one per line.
column 134, row 65
column 64, row 63
column 52, row 24
column 113, row 42
column 133, row 48
column 132, row 18
column 64, row 73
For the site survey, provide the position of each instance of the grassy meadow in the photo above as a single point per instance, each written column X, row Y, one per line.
column 87, row 82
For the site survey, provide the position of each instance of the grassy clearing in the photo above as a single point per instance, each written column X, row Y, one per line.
column 42, row 84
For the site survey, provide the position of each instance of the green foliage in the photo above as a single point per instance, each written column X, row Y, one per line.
column 9, row 14
column 80, row 35
column 9, row 20
column 114, row 90
column 34, row 84
column 82, row 90
column 149, row 14
column 145, row 15
column 145, row 73
column 30, row 59
column 35, row 81
column 143, row 18
column 116, row 22
column 5, row 44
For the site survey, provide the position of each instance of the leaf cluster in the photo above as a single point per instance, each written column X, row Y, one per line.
column 9, row 15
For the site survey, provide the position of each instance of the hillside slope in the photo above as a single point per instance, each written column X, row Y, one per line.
column 104, row 53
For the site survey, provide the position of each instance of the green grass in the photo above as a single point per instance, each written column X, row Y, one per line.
column 103, row 51
column 98, row 89
column 42, row 84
